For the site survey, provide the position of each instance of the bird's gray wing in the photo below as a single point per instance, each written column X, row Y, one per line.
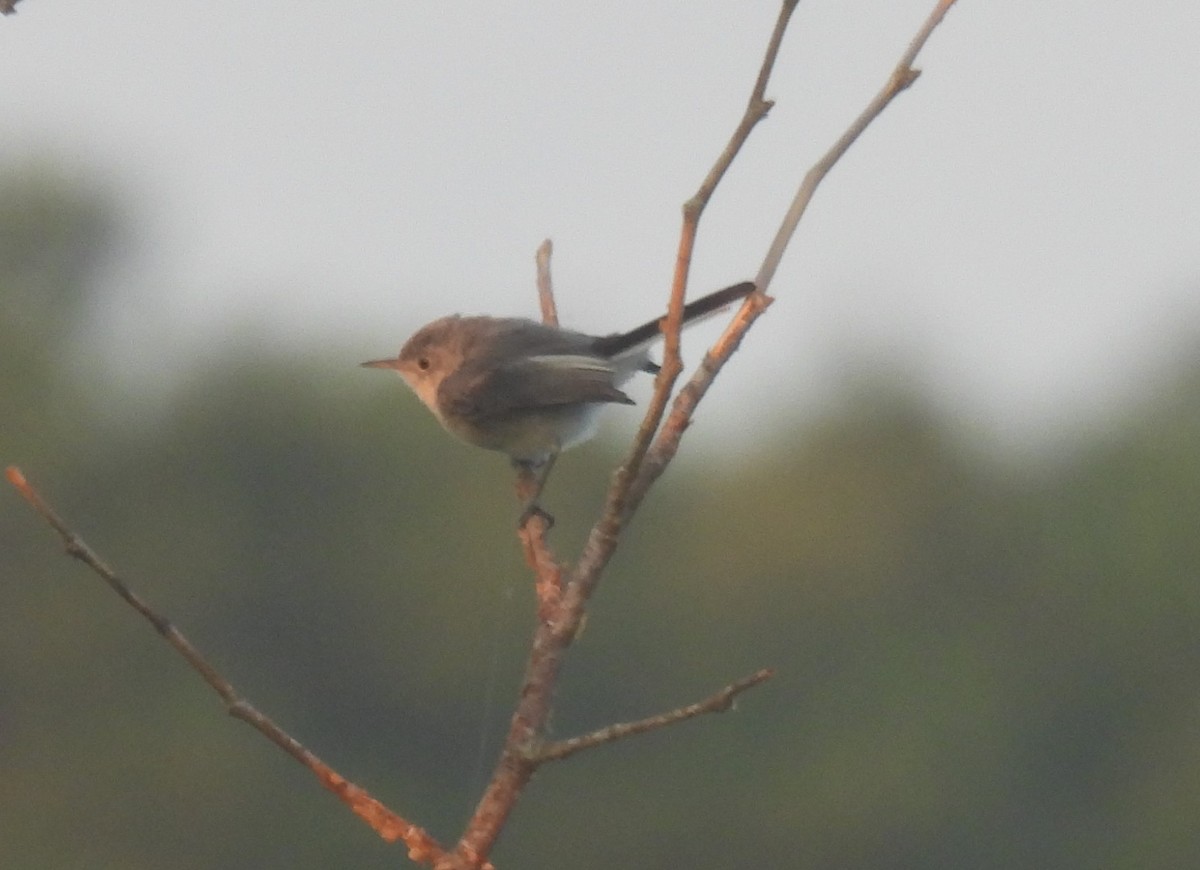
column 532, row 384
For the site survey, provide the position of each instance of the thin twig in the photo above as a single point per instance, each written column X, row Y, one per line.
column 757, row 108
column 900, row 80
column 390, row 826
column 532, row 532
column 545, row 285
column 717, row 703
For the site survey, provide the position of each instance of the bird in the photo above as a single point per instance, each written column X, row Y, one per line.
column 527, row 389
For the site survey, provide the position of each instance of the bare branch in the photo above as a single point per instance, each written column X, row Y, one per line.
column 668, row 440
column 562, row 606
column 390, row 826
column 718, row 703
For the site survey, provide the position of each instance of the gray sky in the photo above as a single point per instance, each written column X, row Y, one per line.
column 1023, row 225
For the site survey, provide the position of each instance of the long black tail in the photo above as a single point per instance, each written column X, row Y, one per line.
column 693, row 312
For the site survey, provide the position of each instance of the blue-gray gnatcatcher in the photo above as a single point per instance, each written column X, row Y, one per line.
column 524, row 388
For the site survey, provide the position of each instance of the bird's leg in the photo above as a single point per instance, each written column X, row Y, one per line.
column 531, row 480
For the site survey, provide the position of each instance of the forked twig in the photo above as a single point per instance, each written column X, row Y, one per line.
column 757, row 106
column 390, row 826
column 667, row 444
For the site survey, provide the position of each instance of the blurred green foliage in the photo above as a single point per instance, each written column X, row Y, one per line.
column 979, row 665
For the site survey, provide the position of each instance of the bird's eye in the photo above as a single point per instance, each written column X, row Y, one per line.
column 423, row 363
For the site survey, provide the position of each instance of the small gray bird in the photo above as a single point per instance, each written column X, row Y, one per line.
column 524, row 388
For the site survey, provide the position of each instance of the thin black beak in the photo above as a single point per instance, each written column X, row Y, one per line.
column 381, row 364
